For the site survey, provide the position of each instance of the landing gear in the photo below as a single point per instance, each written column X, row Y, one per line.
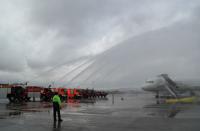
column 157, row 95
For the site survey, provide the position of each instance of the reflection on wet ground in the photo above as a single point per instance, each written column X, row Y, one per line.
column 56, row 126
column 126, row 112
column 166, row 110
column 14, row 110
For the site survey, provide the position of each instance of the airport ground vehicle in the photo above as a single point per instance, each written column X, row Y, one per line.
column 62, row 92
column 18, row 94
column 73, row 94
column 87, row 93
column 46, row 94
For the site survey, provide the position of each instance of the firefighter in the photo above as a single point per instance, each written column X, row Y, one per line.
column 56, row 106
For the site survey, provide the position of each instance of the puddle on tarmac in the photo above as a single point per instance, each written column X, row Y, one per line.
column 8, row 110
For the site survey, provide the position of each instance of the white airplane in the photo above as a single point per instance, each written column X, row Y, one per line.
column 169, row 88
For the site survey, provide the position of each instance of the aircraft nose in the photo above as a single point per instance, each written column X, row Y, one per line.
column 145, row 88
column 148, row 87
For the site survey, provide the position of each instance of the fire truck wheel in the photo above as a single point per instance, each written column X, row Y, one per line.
column 42, row 98
column 12, row 99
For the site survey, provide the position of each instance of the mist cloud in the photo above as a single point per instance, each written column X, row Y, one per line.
column 36, row 36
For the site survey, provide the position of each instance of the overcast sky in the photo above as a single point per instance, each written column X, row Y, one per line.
column 101, row 42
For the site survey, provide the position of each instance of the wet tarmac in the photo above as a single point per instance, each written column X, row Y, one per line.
column 127, row 112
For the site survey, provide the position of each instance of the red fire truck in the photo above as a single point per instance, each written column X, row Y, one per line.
column 18, row 94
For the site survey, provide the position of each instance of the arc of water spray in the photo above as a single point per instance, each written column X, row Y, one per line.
column 80, row 73
column 70, row 72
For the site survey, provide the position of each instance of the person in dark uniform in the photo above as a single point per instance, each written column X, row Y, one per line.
column 56, row 107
